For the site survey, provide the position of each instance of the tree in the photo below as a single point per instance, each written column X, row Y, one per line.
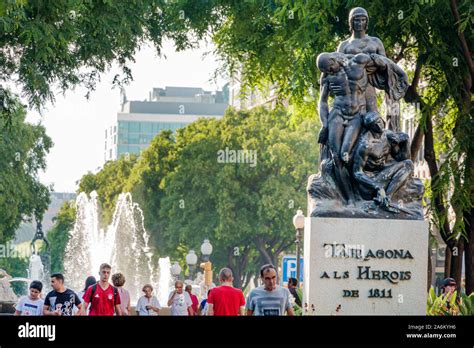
column 276, row 42
column 58, row 235
column 109, row 182
column 148, row 179
column 245, row 209
column 49, row 44
column 23, row 149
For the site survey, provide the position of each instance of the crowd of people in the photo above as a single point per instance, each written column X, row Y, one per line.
column 100, row 298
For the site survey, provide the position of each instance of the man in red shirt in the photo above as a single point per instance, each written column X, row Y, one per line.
column 225, row 299
column 102, row 296
column 189, row 290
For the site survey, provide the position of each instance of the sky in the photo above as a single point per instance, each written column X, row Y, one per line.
column 77, row 125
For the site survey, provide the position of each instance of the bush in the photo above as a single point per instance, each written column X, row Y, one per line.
column 446, row 305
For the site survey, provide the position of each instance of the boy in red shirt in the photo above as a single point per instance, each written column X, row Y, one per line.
column 225, row 299
column 103, row 297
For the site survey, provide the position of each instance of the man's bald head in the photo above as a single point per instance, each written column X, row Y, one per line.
column 330, row 62
column 225, row 275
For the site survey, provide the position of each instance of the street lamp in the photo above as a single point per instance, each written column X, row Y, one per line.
column 191, row 260
column 206, row 250
column 298, row 222
column 175, row 270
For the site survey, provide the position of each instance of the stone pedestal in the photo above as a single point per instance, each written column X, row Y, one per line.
column 365, row 266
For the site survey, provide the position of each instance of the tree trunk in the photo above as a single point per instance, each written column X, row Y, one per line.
column 416, row 142
column 469, row 258
column 437, row 202
column 430, row 270
column 238, row 264
column 266, row 256
column 456, row 261
column 447, row 263
column 469, row 228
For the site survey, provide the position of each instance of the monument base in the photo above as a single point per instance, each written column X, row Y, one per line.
column 365, row 266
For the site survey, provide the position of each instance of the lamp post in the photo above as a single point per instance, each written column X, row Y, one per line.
column 191, row 260
column 206, row 250
column 175, row 270
column 298, row 222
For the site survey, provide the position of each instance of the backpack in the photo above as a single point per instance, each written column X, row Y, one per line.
column 94, row 288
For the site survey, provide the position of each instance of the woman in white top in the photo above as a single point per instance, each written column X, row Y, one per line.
column 148, row 304
column 118, row 279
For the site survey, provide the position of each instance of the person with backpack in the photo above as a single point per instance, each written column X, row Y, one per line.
column 103, row 297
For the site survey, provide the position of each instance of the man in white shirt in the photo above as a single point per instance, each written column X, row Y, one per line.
column 179, row 301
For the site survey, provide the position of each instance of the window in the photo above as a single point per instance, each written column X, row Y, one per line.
column 134, row 127
column 122, row 149
column 115, row 139
column 146, row 127
column 134, row 149
column 123, row 126
column 115, row 129
column 133, row 138
column 106, row 134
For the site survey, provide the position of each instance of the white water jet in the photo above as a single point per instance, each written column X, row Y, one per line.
column 124, row 245
column 36, row 269
column 165, row 282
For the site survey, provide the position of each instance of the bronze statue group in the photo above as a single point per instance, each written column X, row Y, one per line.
column 365, row 169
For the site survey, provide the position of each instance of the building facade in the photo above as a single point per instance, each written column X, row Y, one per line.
column 168, row 108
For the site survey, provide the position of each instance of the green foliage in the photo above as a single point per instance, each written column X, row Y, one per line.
column 448, row 305
column 108, row 183
column 23, row 149
column 149, row 177
column 245, row 210
column 187, row 194
column 276, row 42
column 467, row 304
column 49, row 44
column 58, row 235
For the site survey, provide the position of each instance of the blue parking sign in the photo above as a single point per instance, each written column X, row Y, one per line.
column 289, row 268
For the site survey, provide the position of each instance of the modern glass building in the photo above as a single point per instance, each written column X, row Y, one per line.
column 170, row 108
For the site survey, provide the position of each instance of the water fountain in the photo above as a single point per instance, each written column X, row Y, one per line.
column 123, row 244
column 165, row 280
column 36, row 269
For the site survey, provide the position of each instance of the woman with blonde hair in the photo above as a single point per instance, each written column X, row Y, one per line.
column 118, row 279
